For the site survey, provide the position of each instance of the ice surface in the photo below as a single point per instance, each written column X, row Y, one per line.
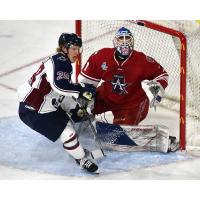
column 23, row 42
column 23, row 148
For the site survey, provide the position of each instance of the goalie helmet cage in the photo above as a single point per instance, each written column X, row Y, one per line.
column 167, row 45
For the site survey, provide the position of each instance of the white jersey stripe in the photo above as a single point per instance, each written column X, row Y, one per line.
column 88, row 77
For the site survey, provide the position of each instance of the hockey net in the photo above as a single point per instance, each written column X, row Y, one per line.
column 176, row 46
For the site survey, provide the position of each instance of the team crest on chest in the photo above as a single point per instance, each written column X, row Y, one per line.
column 104, row 66
column 119, row 85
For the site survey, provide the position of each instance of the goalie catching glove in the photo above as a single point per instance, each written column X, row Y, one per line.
column 154, row 91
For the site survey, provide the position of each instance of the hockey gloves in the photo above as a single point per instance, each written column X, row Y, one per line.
column 87, row 96
column 88, row 92
column 85, row 103
column 78, row 114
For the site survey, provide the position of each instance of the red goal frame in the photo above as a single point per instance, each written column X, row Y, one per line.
column 183, row 59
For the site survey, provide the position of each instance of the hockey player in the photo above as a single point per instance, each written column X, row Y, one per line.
column 46, row 103
column 131, row 81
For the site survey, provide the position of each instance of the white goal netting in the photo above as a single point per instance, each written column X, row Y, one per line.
column 166, row 50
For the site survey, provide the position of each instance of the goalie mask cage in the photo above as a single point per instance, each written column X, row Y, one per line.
column 176, row 46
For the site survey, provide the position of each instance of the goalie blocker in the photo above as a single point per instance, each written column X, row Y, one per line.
column 136, row 138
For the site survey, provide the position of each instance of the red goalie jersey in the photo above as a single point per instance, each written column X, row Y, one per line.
column 121, row 87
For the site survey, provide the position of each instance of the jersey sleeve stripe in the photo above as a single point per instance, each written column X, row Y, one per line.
column 91, row 78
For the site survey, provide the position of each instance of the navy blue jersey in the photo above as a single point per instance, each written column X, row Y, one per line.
column 50, row 85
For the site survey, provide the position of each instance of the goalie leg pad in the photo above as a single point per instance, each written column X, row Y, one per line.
column 134, row 138
column 114, row 134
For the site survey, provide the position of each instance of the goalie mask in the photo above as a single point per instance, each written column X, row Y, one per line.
column 123, row 42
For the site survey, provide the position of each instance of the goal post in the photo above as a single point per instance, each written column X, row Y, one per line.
column 166, row 44
column 78, row 62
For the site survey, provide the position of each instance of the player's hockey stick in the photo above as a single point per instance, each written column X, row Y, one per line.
column 94, row 154
column 95, row 135
column 98, row 153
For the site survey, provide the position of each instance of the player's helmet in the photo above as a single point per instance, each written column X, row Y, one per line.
column 123, row 41
column 69, row 39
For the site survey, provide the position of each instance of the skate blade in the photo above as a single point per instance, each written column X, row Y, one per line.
column 96, row 172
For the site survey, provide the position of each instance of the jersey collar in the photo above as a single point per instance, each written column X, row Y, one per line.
column 123, row 61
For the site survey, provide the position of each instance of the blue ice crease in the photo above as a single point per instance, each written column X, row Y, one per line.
column 23, row 148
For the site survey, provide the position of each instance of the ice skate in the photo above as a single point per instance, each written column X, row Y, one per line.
column 88, row 165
